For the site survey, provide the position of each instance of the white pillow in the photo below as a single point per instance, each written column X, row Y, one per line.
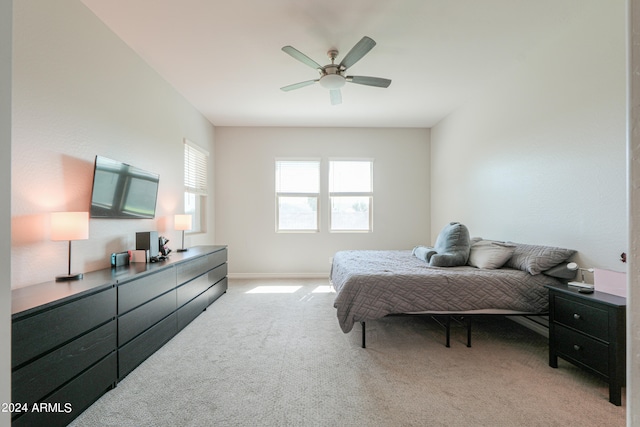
column 490, row 254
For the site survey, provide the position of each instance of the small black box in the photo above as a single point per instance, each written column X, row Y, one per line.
column 148, row 240
column 118, row 259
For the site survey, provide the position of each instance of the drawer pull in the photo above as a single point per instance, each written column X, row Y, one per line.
column 576, row 347
column 576, row 316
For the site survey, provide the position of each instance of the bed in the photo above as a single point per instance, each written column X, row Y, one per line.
column 372, row 284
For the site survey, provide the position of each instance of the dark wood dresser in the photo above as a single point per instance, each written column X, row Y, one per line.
column 588, row 330
column 73, row 341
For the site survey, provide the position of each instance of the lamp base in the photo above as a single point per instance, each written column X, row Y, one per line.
column 69, row 277
column 581, row 285
column 182, row 250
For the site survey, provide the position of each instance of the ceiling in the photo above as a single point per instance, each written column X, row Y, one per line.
column 225, row 57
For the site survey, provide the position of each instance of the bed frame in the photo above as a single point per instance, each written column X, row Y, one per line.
column 444, row 320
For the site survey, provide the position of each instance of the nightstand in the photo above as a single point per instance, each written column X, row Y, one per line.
column 588, row 330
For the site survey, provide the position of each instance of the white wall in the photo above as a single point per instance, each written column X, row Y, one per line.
column 539, row 156
column 5, row 208
column 80, row 91
column 245, row 195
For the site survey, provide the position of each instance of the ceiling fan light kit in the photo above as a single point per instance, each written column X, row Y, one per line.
column 332, row 81
column 332, row 76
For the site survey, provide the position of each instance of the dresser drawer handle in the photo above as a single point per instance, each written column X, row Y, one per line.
column 576, row 316
column 576, row 347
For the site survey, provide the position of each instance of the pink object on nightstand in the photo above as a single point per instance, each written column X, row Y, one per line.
column 611, row 282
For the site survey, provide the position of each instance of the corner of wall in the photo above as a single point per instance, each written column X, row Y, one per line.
column 5, row 209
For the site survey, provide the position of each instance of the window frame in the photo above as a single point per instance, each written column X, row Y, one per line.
column 338, row 194
column 307, row 195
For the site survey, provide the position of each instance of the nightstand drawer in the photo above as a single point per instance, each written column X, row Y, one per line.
column 582, row 349
column 584, row 318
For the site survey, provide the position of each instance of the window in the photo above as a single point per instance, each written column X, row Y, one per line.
column 195, row 184
column 297, row 194
column 350, row 195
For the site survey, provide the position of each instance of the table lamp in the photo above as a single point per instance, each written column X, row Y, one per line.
column 574, row 267
column 69, row 226
column 182, row 222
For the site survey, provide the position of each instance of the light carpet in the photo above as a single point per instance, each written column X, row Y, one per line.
column 271, row 353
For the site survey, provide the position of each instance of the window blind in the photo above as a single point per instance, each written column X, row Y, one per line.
column 350, row 176
column 195, row 169
column 298, row 176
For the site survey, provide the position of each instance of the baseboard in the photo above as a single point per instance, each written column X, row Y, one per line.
column 535, row 326
column 274, row 276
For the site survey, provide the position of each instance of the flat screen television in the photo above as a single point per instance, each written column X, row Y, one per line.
column 122, row 191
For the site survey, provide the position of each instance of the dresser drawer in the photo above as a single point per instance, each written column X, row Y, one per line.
column 191, row 269
column 217, row 274
column 194, row 268
column 214, row 292
column 49, row 329
column 191, row 310
column 138, row 349
column 137, row 292
column 197, row 286
column 590, row 320
column 192, row 289
column 582, row 349
column 37, row 379
column 217, row 258
column 76, row 395
column 145, row 316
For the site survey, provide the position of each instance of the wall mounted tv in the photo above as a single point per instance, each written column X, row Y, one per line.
column 122, row 191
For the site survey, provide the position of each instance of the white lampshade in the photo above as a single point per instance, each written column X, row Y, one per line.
column 69, row 226
column 182, row 222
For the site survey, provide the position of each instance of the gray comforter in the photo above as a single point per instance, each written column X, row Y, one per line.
column 372, row 284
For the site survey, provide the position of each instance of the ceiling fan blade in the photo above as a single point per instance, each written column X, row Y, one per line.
column 369, row 81
column 296, row 54
column 336, row 96
column 298, row 85
column 357, row 52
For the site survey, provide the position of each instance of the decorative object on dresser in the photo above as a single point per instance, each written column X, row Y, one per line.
column 182, row 222
column 149, row 241
column 71, row 344
column 588, row 330
column 68, row 226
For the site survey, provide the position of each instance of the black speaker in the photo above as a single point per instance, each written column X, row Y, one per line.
column 148, row 240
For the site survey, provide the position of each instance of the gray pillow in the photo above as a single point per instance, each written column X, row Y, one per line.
column 535, row 259
column 452, row 246
column 423, row 252
column 561, row 272
column 490, row 254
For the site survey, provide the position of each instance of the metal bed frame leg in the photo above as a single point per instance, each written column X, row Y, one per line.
column 448, row 327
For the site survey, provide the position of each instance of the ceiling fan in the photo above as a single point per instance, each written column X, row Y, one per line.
column 332, row 76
